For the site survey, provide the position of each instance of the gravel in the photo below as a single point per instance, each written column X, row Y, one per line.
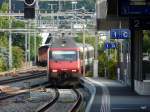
column 26, row 102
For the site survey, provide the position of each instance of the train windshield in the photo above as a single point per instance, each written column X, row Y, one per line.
column 64, row 55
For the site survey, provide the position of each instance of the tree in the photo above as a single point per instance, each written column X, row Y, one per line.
column 18, row 40
column 3, row 40
column 4, row 6
column 3, row 65
column 18, row 56
column 89, row 39
column 146, row 42
column 38, row 42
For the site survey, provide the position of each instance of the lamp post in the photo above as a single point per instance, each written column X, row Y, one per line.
column 83, row 50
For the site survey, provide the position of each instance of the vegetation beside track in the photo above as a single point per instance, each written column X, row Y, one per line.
column 105, row 64
column 18, row 40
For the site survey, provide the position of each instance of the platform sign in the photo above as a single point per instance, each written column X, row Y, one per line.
column 134, row 7
column 120, row 33
column 140, row 23
column 110, row 45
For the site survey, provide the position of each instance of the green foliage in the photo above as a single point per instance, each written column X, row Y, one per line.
column 5, row 7
column 4, row 22
column 89, row 39
column 18, row 24
column 3, row 39
column 112, row 65
column 2, row 64
column 102, row 64
column 146, row 41
column 108, row 64
column 18, row 56
column 3, row 36
column 89, row 74
column 38, row 42
column 19, row 40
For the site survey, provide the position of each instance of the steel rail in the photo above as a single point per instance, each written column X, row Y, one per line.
column 46, row 106
column 77, row 104
column 6, row 96
column 12, row 80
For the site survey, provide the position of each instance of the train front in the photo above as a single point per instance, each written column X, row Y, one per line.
column 63, row 63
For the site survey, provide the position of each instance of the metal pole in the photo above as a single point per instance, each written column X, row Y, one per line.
column 59, row 5
column 118, row 68
column 10, row 38
column 35, row 52
column 95, row 69
column 96, row 46
column 29, row 44
column 26, row 47
column 95, row 66
column 83, row 51
column 36, row 16
column 107, row 59
column 72, row 6
column 115, row 53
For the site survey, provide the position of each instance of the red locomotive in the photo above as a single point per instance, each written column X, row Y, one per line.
column 65, row 59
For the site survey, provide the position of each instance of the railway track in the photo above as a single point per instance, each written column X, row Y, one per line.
column 20, row 78
column 49, row 104
column 77, row 104
column 8, row 92
column 4, row 96
column 74, row 108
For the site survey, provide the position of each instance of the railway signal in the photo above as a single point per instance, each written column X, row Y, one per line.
column 29, row 9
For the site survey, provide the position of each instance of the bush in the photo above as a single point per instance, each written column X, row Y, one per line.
column 89, row 74
column 18, row 57
column 110, row 65
column 2, row 64
column 112, row 69
column 102, row 63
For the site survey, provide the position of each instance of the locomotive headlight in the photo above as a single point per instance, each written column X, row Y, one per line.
column 54, row 71
column 74, row 70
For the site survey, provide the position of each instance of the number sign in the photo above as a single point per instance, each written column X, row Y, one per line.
column 120, row 34
column 110, row 45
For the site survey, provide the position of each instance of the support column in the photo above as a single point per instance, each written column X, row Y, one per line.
column 10, row 38
column 26, row 47
column 29, row 43
column 35, row 51
column 136, row 55
column 136, row 59
column 10, row 50
column 95, row 67
column 83, row 51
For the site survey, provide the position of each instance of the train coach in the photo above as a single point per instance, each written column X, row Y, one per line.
column 65, row 59
column 42, row 56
